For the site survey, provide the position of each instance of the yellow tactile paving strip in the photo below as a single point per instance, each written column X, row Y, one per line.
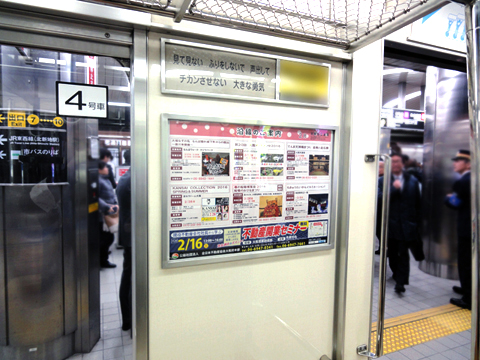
column 416, row 328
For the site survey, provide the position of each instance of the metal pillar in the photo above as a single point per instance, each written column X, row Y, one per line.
column 402, row 92
column 472, row 28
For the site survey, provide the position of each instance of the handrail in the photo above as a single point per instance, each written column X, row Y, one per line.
column 362, row 350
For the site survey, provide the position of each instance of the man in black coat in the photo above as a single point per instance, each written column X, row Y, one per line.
column 124, row 194
column 460, row 201
column 404, row 219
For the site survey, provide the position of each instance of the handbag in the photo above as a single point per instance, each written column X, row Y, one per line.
column 111, row 222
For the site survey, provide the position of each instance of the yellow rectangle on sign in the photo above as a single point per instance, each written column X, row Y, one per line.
column 301, row 82
column 92, row 207
column 17, row 119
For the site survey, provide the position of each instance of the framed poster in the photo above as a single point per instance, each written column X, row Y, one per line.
column 236, row 189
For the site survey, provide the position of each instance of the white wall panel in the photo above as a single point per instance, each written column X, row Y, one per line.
column 271, row 308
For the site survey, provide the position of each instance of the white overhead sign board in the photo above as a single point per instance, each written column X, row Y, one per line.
column 444, row 28
column 80, row 100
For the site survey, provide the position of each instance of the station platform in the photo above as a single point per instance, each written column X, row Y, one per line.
column 421, row 323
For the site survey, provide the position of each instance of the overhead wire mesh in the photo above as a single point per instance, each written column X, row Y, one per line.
column 331, row 21
column 334, row 22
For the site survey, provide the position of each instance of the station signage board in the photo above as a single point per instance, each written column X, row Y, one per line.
column 32, row 148
column 212, row 71
column 234, row 190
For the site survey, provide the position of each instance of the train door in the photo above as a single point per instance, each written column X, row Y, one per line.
column 59, row 279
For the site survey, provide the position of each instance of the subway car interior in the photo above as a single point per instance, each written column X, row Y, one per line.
column 239, row 179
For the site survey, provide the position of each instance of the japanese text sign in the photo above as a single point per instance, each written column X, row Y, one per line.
column 197, row 70
column 80, row 100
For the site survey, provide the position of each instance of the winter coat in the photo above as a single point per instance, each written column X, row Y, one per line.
column 124, row 193
column 405, row 208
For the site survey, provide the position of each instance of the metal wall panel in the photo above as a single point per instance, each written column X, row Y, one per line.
column 3, row 309
column 69, row 244
column 83, row 173
column 33, row 238
column 446, row 131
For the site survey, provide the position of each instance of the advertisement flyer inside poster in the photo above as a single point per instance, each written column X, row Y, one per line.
column 239, row 188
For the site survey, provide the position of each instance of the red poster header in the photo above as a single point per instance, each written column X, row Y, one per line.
column 207, row 129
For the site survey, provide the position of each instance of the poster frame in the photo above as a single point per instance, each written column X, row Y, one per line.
column 166, row 263
column 277, row 59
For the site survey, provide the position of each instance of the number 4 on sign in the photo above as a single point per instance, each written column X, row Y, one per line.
column 80, row 104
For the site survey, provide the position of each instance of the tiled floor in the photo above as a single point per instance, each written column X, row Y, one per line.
column 424, row 292
column 114, row 343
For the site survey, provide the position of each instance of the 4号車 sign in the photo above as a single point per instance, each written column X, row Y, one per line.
column 81, row 100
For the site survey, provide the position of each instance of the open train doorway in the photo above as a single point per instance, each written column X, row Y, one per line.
column 424, row 125
column 61, row 260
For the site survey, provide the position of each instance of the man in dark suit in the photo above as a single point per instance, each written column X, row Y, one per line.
column 124, row 194
column 404, row 219
column 460, row 201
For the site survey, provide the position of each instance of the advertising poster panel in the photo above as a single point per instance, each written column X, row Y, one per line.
column 241, row 188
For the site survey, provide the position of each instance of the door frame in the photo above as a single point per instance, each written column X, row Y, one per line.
column 39, row 30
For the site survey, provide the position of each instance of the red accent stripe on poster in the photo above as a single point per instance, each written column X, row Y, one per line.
column 203, row 129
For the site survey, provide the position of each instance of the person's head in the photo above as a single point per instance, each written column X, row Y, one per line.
column 102, row 168
column 105, row 155
column 461, row 162
column 381, row 167
column 126, row 157
column 397, row 163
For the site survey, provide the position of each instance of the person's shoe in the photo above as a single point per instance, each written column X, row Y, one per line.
column 399, row 288
column 458, row 290
column 108, row 265
column 126, row 327
column 377, row 252
column 460, row 303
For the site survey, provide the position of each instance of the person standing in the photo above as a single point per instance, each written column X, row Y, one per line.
column 107, row 203
column 124, row 193
column 106, row 156
column 460, row 201
column 403, row 221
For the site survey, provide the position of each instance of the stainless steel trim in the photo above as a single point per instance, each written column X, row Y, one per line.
column 166, row 263
column 48, row 25
column 81, row 9
column 415, row 14
column 140, row 195
column 362, row 350
column 341, row 251
column 12, row 37
column 164, row 41
column 472, row 29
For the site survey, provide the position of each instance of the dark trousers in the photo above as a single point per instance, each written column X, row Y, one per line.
column 399, row 260
column 126, row 288
column 465, row 267
column 106, row 239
